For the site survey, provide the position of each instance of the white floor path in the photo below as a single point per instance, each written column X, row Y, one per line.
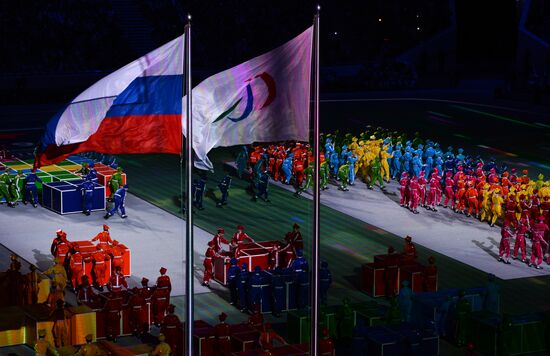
column 455, row 235
column 154, row 236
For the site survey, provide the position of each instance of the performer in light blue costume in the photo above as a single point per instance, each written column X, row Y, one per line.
column 287, row 167
column 334, row 163
column 396, row 162
column 407, row 157
column 351, row 161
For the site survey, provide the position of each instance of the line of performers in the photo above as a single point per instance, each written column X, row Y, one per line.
column 521, row 231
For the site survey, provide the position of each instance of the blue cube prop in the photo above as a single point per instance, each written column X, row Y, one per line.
column 66, row 197
column 382, row 342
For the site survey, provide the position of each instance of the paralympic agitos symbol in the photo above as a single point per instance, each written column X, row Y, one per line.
column 270, row 83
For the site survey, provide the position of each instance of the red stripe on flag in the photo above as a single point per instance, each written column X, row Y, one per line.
column 124, row 135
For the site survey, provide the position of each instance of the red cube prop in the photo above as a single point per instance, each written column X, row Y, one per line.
column 245, row 341
column 372, row 280
column 415, row 275
column 205, row 339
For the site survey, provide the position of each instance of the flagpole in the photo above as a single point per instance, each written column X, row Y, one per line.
column 314, row 347
column 189, row 312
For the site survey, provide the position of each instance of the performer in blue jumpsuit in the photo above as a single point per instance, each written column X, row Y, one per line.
column 31, row 194
column 242, row 282
column 120, row 196
column 232, row 275
column 224, row 186
column 287, row 167
column 278, row 291
column 325, row 279
column 242, row 160
column 438, row 163
column 302, row 279
column 92, row 173
column 198, row 192
column 300, row 263
column 87, row 190
column 263, row 185
column 255, row 288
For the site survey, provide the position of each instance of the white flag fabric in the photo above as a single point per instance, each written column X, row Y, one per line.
column 262, row 100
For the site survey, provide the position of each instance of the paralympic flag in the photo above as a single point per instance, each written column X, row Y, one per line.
column 265, row 99
column 136, row 109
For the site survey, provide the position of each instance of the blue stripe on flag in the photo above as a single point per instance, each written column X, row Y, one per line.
column 150, row 95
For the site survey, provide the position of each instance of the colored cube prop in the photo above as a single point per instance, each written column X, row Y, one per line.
column 245, row 341
column 83, row 322
column 483, row 331
column 299, row 321
column 204, row 340
column 12, row 326
column 415, row 275
column 371, row 313
column 380, row 342
column 524, row 334
column 66, row 198
column 373, row 279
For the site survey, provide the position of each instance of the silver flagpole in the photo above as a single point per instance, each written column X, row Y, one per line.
column 316, row 198
column 189, row 312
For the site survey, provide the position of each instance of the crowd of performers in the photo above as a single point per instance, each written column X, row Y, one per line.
column 147, row 304
column 428, row 177
column 285, row 259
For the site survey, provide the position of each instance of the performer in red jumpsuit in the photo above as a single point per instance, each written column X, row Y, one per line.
column 268, row 336
column 449, row 191
column 298, row 170
column 223, row 341
column 104, row 238
column 161, row 296
column 422, row 181
column 510, row 210
column 409, row 251
column 459, row 196
column 280, row 157
column 434, row 194
column 117, row 281
column 545, row 210
column 76, row 268
column 535, row 206
column 207, row 263
column 521, row 231
column 116, row 253
column 525, row 207
column 99, row 269
column 171, row 327
column 137, row 304
column 60, row 238
column 295, row 238
column 111, row 310
column 403, row 189
column 430, row 276
column 219, row 239
column 506, row 234
column 85, row 294
column 472, row 198
column 414, row 195
column 239, row 237
column 537, row 253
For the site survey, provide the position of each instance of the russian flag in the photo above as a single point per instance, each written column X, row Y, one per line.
column 136, row 109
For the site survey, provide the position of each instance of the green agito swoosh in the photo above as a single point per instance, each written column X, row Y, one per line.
column 226, row 112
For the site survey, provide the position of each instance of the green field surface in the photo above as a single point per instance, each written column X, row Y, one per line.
column 346, row 243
